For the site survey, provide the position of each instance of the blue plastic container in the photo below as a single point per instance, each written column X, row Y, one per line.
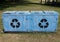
column 34, row 21
column 14, row 21
column 45, row 21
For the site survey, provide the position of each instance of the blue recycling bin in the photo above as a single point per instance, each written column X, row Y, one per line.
column 45, row 21
column 14, row 21
column 34, row 21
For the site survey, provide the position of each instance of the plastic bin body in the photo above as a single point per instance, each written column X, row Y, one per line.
column 45, row 21
column 17, row 19
column 34, row 21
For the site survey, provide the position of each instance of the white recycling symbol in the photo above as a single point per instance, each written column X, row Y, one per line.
column 15, row 23
column 43, row 23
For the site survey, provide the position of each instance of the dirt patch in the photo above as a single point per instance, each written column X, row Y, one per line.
column 38, row 37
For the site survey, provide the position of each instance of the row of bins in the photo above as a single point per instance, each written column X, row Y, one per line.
column 34, row 21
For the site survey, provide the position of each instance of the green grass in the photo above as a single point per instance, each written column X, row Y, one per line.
column 29, row 37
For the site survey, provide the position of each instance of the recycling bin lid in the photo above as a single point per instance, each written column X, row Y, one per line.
column 23, row 12
column 51, row 13
column 9, row 12
column 44, row 12
column 16, row 13
column 31, row 13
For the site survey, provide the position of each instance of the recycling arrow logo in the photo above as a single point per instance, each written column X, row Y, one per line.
column 43, row 23
column 15, row 23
